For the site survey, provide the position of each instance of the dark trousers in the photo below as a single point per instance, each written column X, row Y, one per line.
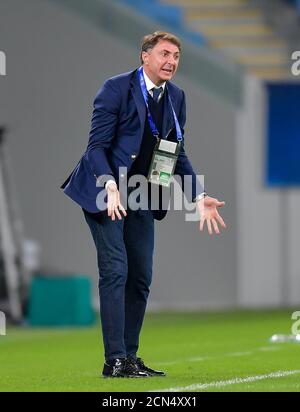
column 125, row 256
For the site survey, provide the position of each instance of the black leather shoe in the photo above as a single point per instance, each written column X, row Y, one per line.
column 143, row 368
column 121, row 368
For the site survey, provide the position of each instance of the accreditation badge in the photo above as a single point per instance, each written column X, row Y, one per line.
column 163, row 162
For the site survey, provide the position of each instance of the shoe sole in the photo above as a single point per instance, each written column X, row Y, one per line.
column 149, row 375
column 124, row 377
column 155, row 374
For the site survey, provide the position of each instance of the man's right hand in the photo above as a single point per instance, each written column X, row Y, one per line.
column 114, row 206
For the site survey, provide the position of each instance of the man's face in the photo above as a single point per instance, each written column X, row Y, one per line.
column 161, row 62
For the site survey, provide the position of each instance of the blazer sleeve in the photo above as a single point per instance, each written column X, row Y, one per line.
column 183, row 166
column 103, row 127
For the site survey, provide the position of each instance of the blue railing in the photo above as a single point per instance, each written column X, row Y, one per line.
column 169, row 15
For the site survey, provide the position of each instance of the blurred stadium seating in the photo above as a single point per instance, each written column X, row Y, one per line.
column 240, row 29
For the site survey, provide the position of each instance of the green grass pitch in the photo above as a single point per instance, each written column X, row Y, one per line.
column 227, row 351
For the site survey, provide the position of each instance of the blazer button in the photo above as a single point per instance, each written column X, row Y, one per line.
column 133, row 156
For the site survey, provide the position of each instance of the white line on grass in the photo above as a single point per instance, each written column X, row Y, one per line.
column 225, row 355
column 268, row 348
column 218, row 384
column 169, row 363
column 238, row 354
column 199, row 358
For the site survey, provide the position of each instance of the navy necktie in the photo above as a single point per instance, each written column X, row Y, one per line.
column 156, row 93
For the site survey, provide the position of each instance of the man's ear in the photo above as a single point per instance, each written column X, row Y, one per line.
column 145, row 57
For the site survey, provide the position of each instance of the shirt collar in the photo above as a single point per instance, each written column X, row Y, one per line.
column 150, row 84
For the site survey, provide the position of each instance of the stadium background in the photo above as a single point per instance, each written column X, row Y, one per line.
column 58, row 55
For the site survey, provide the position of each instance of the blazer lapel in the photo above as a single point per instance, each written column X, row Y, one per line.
column 139, row 100
column 168, row 119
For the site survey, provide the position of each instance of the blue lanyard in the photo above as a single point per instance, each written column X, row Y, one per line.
column 150, row 118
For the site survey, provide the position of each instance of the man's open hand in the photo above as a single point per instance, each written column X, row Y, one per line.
column 208, row 213
column 114, row 206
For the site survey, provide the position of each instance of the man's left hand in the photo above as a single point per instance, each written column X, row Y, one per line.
column 208, row 212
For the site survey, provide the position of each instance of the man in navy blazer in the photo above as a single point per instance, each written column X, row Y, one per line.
column 122, row 139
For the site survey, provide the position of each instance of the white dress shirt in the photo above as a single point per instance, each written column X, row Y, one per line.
column 150, row 85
